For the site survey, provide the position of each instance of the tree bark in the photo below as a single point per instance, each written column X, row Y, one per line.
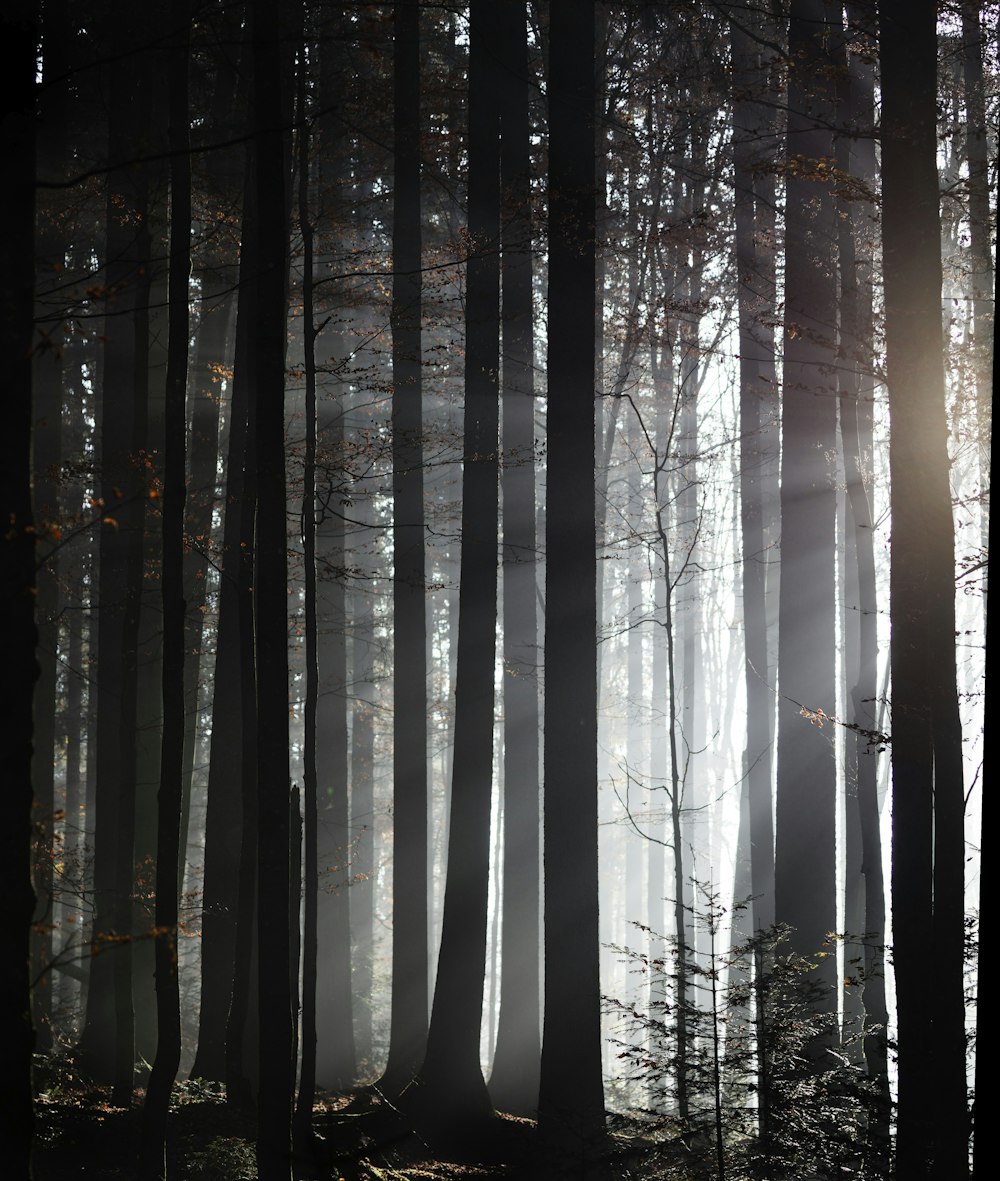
column 18, row 665
column 152, row 1156
column 270, row 170
column 928, row 793
column 514, row 1079
column 451, row 1071
column 409, row 1011
column 805, row 882
column 571, row 1100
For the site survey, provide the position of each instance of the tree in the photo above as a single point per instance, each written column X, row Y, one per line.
column 108, row 1040
column 451, row 1070
column 928, row 849
column 410, row 1002
column 571, row 1101
column 18, row 666
column 270, row 172
column 805, row 846
column 513, row 1082
column 168, row 1010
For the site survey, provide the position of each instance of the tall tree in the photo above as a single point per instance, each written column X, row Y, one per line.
column 571, row 1099
column 108, row 1038
column 451, row 1071
column 866, row 917
column 754, row 299
column 53, row 110
column 334, row 1025
column 409, row 1012
column 310, row 931
column 18, row 664
column 270, row 172
column 805, row 844
column 928, row 849
column 168, row 1011
column 224, row 808
column 514, row 1078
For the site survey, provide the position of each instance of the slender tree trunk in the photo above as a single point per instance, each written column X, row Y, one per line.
column 241, row 1023
column 47, row 455
column 276, row 1081
column 977, row 155
column 310, row 931
column 335, row 1055
column 18, row 664
column 451, row 1071
column 152, row 1160
column 756, row 365
column 857, row 432
column 109, row 1033
column 571, row 1100
column 514, row 1078
column 223, row 812
column 805, row 884
column 928, row 793
column 409, row 1012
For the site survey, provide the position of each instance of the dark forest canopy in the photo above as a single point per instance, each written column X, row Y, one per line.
column 494, row 587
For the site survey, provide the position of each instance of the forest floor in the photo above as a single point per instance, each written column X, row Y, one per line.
column 80, row 1134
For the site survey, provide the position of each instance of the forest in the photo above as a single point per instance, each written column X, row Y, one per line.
column 494, row 588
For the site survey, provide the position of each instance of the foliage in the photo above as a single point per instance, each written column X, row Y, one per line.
column 774, row 1090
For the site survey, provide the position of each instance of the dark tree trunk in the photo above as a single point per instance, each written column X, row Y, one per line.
column 857, row 430
column 152, row 1157
column 408, row 1021
column 310, row 884
column 805, row 883
column 224, row 820
column 514, row 1078
column 977, row 155
column 981, row 1144
column 335, row 1065
column 223, row 812
column 216, row 267
column 109, row 1033
column 274, row 1108
column 47, row 455
column 363, row 816
column 928, row 794
column 571, row 1100
column 241, row 1022
column 755, row 301
column 451, row 1072
column 18, row 664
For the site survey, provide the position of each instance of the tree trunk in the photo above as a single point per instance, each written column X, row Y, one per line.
column 514, row 1078
column 571, row 1100
column 805, row 882
column 276, row 1079
column 18, row 665
column 108, row 1036
column 152, row 1157
column 46, row 459
column 928, row 794
column 451, row 1072
column 408, row 1020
